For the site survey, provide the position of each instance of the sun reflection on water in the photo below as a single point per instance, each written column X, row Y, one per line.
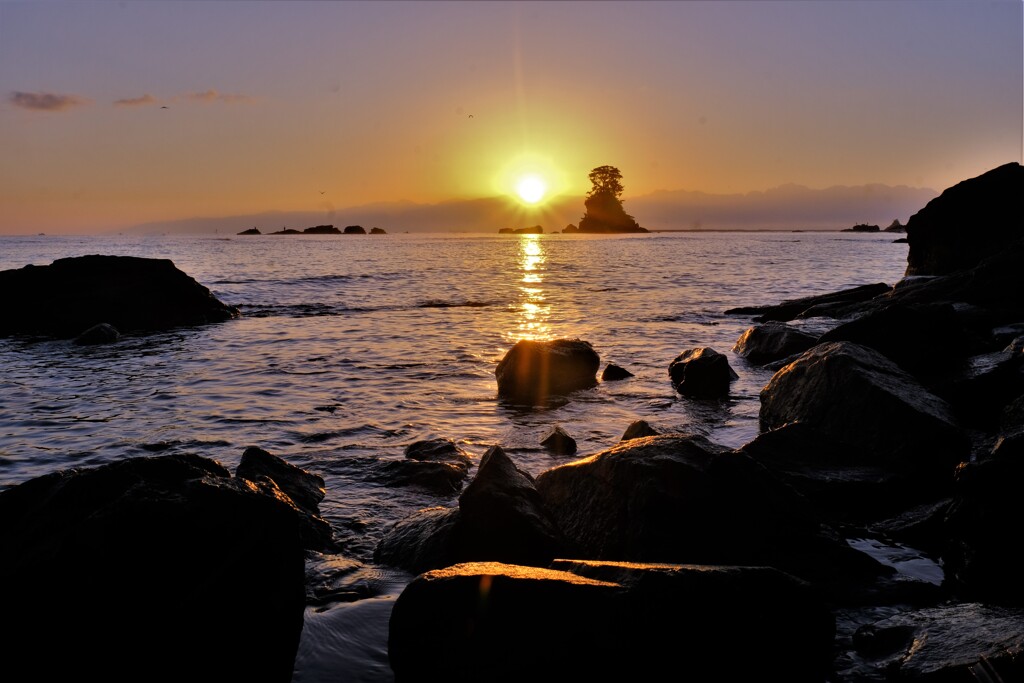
column 533, row 311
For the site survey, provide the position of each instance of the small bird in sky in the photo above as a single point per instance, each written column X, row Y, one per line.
column 470, row 116
column 163, row 107
column 322, row 191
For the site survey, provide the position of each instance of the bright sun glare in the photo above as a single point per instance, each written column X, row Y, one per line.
column 531, row 189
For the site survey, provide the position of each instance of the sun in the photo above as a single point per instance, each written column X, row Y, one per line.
column 531, row 189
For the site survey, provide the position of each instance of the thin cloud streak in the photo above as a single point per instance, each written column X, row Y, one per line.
column 46, row 101
column 143, row 101
column 212, row 96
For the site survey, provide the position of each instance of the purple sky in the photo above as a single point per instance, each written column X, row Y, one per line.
column 303, row 106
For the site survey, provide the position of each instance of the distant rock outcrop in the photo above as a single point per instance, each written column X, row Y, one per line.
column 896, row 226
column 378, row 231
column 570, row 229
column 286, row 231
column 355, row 230
column 862, row 227
column 130, row 293
column 322, row 230
column 251, row 231
column 967, row 223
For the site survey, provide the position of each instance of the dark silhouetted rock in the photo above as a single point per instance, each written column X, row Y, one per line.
column 854, row 394
column 378, row 231
column 982, row 560
column 701, row 373
column 437, row 450
column 355, row 230
column 681, row 498
column 506, row 231
column 322, row 230
column 532, row 372
column 304, row 490
column 967, row 641
column 250, row 231
column 609, row 621
column 132, row 294
column 863, row 227
column 982, row 386
column 102, row 333
column 901, row 240
column 895, row 226
column 613, row 373
column 638, row 429
column 772, row 341
column 441, row 478
column 559, row 442
column 570, row 229
column 924, row 340
column 845, row 483
column 287, row 231
column 500, row 518
column 178, row 566
column 792, row 308
column 531, row 230
column 605, row 214
column 967, row 223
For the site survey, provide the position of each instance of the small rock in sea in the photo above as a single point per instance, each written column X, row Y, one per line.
column 104, row 333
column 772, row 341
column 559, row 441
column 639, row 429
column 355, row 230
column 437, row 450
column 702, row 373
column 614, row 372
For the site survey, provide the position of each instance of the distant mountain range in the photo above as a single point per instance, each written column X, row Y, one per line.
column 787, row 207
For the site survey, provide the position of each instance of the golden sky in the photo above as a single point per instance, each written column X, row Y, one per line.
column 115, row 114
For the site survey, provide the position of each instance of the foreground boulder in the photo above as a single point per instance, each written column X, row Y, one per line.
column 794, row 308
column 772, row 341
column 132, row 294
column 500, row 517
column 163, row 567
column 608, row 621
column 681, row 498
column 967, row 223
column 533, row 372
column 855, row 395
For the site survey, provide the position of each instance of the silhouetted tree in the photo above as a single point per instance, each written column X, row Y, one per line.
column 605, row 180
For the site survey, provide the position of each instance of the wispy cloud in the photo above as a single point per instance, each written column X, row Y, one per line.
column 46, row 101
column 143, row 101
column 211, row 96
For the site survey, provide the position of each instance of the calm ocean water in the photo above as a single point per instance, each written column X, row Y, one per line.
column 352, row 347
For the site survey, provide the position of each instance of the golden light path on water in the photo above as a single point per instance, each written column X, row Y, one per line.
column 534, row 311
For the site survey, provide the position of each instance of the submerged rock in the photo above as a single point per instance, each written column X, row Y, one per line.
column 102, row 333
column 614, row 373
column 558, row 441
column 130, row 293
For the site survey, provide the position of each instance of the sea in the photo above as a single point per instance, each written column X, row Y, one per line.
column 349, row 348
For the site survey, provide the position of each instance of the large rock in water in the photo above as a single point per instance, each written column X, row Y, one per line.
column 162, row 568
column 609, row 621
column 680, row 498
column 854, row 394
column 533, row 372
column 133, row 294
column 500, row 518
column 772, row 341
column 967, row 223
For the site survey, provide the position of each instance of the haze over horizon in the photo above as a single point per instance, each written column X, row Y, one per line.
column 120, row 114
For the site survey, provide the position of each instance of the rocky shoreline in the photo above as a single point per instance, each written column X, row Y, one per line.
column 902, row 423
